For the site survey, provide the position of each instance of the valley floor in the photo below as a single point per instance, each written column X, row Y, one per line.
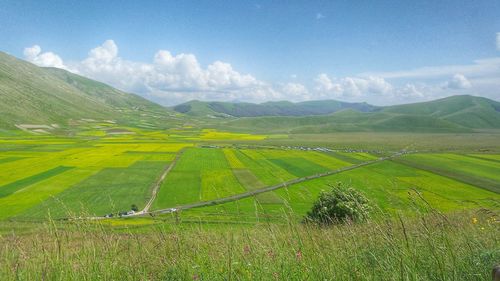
column 436, row 207
column 90, row 176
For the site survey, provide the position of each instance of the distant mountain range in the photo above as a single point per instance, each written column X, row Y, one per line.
column 35, row 95
column 451, row 114
column 279, row 108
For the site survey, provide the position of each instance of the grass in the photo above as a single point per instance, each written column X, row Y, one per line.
column 427, row 247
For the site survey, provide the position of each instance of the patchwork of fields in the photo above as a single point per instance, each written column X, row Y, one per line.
column 94, row 176
column 68, row 176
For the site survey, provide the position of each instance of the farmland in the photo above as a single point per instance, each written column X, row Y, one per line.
column 106, row 174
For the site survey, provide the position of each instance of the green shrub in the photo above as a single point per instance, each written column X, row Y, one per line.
column 339, row 205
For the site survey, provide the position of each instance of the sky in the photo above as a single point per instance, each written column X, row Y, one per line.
column 381, row 52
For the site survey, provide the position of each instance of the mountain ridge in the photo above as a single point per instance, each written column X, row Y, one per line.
column 49, row 96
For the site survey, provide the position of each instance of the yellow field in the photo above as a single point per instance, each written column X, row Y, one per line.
column 231, row 158
column 210, row 134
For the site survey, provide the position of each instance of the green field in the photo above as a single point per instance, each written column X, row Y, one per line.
column 75, row 176
column 83, row 176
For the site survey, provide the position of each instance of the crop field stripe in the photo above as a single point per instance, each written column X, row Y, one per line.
column 10, row 159
column 299, row 167
column 467, row 165
column 268, row 172
column 10, row 188
column 484, row 158
column 264, row 160
column 32, row 197
column 231, row 158
column 388, row 183
column 325, row 160
column 277, row 186
column 159, row 182
column 487, row 184
column 251, row 182
column 185, row 183
column 219, row 183
column 344, row 157
column 109, row 190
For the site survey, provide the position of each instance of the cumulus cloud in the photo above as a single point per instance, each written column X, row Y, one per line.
column 351, row 87
column 409, row 91
column 173, row 78
column 167, row 78
column 295, row 92
column 48, row 59
column 458, row 82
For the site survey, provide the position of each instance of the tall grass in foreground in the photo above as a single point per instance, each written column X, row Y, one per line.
column 430, row 247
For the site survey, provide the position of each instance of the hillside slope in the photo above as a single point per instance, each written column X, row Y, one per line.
column 34, row 95
column 468, row 111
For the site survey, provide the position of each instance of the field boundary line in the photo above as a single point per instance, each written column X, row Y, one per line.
column 160, row 180
column 478, row 182
column 268, row 188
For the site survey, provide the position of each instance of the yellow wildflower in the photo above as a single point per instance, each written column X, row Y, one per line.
column 474, row 220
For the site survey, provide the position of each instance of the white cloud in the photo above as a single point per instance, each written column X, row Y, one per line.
column 351, row 87
column 408, row 91
column 295, row 92
column 48, row 59
column 457, row 82
column 498, row 41
column 168, row 78
column 173, row 78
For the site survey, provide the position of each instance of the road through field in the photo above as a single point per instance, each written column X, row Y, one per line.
column 266, row 189
column 158, row 183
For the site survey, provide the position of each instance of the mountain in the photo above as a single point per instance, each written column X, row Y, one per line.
column 451, row 114
column 280, row 108
column 38, row 98
column 35, row 95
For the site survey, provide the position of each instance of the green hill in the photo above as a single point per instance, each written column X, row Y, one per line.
column 34, row 95
column 345, row 122
column 467, row 111
column 279, row 108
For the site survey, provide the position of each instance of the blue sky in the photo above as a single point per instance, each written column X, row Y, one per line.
column 378, row 51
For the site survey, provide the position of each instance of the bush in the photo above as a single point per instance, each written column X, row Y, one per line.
column 339, row 205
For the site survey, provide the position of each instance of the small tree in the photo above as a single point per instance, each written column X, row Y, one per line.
column 339, row 205
column 134, row 208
